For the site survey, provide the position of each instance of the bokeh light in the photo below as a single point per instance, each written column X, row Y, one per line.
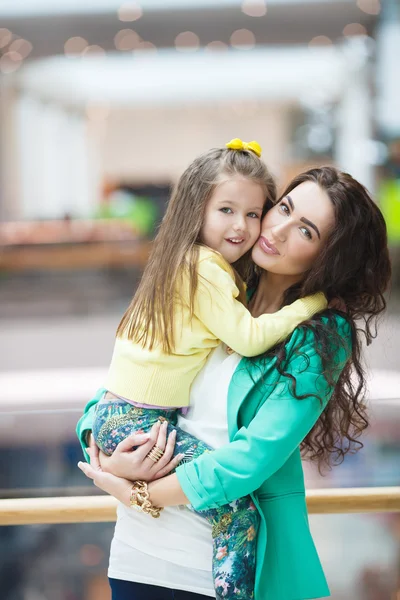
column 75, row 46
column 254, row 8
column 371, row 7
column 320, row 40
column 243, row 39
column 23, row 47
column 126, row 39
column 216, row 46
column 146, row 47
column 10, row 62
column 354, row 29
column 5, row 37
column 93, row 50
column 187, row 41
column 130, row 11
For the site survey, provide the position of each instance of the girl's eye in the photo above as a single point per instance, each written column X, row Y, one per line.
column 306, row 232
column 284, row 208
column 226, row 210
column 253, row 215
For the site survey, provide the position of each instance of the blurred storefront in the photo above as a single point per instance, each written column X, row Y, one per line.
column 102, row 105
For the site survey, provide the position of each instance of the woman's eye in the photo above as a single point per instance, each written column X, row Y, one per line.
column 284, row 208
column 226, row 210
column 306, row 232
column 253, row 215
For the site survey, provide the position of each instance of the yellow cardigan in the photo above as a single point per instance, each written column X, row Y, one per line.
column 159, row 379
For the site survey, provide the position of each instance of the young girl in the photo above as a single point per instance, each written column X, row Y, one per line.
column 189, row 300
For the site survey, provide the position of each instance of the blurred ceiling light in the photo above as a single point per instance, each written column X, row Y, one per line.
column 23, row 47
column 371, row 7
column 147, row 46
column 216, row 46
column 254, row 8
column 320, row 40
column 130, row 11
column 126, row 39
column 75, row 46
column 354, row 29
column 187, row 41
column 97, row 112
column 5, row 37
column 10, row 62
column 93, row 50
column 243, row 39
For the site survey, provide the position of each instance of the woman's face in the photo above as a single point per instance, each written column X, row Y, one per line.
column 294, row 231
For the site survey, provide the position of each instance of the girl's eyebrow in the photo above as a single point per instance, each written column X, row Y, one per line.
column 303, row 219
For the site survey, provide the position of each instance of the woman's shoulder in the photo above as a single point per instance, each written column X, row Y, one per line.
column 329, row 331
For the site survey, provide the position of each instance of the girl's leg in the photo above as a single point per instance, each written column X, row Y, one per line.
column 234, row 533
column 115, row 419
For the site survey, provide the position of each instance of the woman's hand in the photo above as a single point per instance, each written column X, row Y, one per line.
column 115, row 486
column 134, row 464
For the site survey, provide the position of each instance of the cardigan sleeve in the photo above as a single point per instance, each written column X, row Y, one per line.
column 229, row 320
column 85, row 423
column 280, row 425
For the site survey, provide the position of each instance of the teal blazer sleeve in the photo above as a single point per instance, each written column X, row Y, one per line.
column 280, row 425
column 84, row 425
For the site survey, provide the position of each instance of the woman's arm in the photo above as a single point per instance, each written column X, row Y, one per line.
column 259, row 450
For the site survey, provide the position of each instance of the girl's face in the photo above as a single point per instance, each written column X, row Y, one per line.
column 232, row 221
column 294, row 231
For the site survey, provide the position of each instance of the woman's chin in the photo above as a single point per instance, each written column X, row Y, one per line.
column 262, row 259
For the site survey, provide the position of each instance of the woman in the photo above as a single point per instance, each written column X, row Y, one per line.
column 324, row 234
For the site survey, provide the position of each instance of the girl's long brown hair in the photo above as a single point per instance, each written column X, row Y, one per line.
column 150, row 317
column 353, row 269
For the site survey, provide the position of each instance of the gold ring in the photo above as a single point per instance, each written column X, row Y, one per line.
column 155, row 454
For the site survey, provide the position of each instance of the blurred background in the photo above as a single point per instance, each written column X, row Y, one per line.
column 103, row 103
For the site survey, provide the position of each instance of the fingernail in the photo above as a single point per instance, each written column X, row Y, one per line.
column 180, row 456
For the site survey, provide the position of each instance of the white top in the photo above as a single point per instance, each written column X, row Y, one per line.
column 175, row 551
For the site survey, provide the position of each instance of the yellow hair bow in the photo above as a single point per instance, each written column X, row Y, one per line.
column 237, row 144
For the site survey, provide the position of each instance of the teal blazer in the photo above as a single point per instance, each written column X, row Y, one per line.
column 266, row 427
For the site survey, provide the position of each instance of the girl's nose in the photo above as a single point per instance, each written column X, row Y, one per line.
column 240, row 224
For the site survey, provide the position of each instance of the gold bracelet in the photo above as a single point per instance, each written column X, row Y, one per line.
column 140, row 500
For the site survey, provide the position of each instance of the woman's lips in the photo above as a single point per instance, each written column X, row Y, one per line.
column 267, row 247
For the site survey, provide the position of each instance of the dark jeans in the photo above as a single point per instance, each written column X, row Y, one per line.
column 127, row 590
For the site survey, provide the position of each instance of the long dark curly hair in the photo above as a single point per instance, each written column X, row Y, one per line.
column 354, row 270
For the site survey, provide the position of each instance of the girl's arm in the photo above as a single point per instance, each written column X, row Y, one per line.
column 228, row 320
column 259, row 450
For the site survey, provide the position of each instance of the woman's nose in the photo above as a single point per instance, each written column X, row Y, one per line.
column 280, row 232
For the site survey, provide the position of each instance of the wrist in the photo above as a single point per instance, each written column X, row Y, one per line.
column 140, row 499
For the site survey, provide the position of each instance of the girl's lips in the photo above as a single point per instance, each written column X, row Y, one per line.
column 236, row 241
column 267, row 247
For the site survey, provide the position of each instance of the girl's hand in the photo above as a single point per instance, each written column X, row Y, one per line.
column 115, row 486
column 135, row 465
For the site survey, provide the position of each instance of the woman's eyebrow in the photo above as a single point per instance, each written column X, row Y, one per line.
column 290, row 202
column 311, row 224
column 303, row 219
